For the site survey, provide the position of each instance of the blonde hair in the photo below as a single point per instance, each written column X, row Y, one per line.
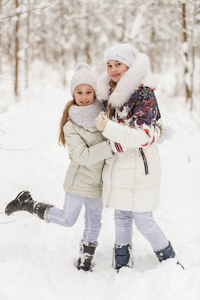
column 65, row 117
column 109, row 108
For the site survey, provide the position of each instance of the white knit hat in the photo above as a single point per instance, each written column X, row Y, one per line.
column 82, row 75
column 124, row 53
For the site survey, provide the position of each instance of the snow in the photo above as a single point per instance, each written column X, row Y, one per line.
column 37, row 259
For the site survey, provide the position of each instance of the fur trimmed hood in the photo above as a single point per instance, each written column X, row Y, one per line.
column 139, row 73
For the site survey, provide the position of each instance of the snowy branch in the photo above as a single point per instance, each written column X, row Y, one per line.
column 27, row 11
column 17, row 149
column 9, row 79
column 4, row 108
column 7, row 53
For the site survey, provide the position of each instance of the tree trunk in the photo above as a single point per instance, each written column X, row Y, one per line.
column 187, row 74
column 152, row 42
column 1, row 40
column 27, row 46
column 16, row 51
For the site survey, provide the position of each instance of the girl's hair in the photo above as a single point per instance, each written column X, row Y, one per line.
column 113, row 85
column 65, row 117
column 109, row 108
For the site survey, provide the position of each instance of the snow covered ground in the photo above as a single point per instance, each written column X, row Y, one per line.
column 37, row 259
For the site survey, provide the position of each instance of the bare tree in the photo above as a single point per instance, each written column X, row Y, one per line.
column 27, row 54
column 16, row 34
column 64, row 32
column 187, row 74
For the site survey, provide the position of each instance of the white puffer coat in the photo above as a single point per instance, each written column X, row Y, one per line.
column 88, row 151
column 131, row 179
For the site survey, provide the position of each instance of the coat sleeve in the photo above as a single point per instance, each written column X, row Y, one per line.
column 81, row 153
column 128, row 137
column 144, row 107
column 142, row 115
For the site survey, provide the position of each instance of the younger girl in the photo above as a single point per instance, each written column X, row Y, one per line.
column 83, row 183
column 131, row 178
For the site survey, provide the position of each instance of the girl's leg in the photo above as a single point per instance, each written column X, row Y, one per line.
column 71, row 210
column 123, row 227
column 122, row 252
column 93, row 215
column 150, row 230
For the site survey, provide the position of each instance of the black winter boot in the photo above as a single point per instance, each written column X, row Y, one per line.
column 166, row 253
column 87, row 251
column 122, row 256
column 24, row 202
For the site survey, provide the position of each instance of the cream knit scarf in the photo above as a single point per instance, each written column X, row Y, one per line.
column 85, row 115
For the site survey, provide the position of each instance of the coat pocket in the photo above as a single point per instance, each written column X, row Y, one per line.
column 148, row 168
column 71, row 173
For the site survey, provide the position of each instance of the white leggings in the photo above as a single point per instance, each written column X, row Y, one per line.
column 145, row 224
column 69, row 214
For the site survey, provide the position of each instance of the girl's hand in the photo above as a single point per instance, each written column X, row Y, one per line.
column 101, row 121
column 160, row 129
column 163, row 132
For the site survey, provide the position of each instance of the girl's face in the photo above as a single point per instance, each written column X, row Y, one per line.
column 116, row 69
column 84, row 95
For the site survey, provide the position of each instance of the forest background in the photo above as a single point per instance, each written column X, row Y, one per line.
column 61, row 33
column 40, row 44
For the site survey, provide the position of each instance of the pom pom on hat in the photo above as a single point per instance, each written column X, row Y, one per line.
column 82, row 75
column 82, row 65
column 125, row 53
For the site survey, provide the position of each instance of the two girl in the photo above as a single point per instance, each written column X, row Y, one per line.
column 83, row 181
column 131, row 178
column 131, row 175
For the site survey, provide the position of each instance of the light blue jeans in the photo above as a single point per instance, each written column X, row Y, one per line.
column 71, row 210
column 145, row 224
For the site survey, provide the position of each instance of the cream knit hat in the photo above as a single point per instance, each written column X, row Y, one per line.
column 124, row 53
column 82, row 75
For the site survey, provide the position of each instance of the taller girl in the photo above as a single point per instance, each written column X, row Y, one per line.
column 131, row 179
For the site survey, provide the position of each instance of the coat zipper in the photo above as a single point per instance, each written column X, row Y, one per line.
column 144, row 161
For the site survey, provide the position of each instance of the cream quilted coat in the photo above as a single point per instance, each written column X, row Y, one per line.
column 88, row 151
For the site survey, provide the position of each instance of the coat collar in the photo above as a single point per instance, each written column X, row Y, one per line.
column 139, row 73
